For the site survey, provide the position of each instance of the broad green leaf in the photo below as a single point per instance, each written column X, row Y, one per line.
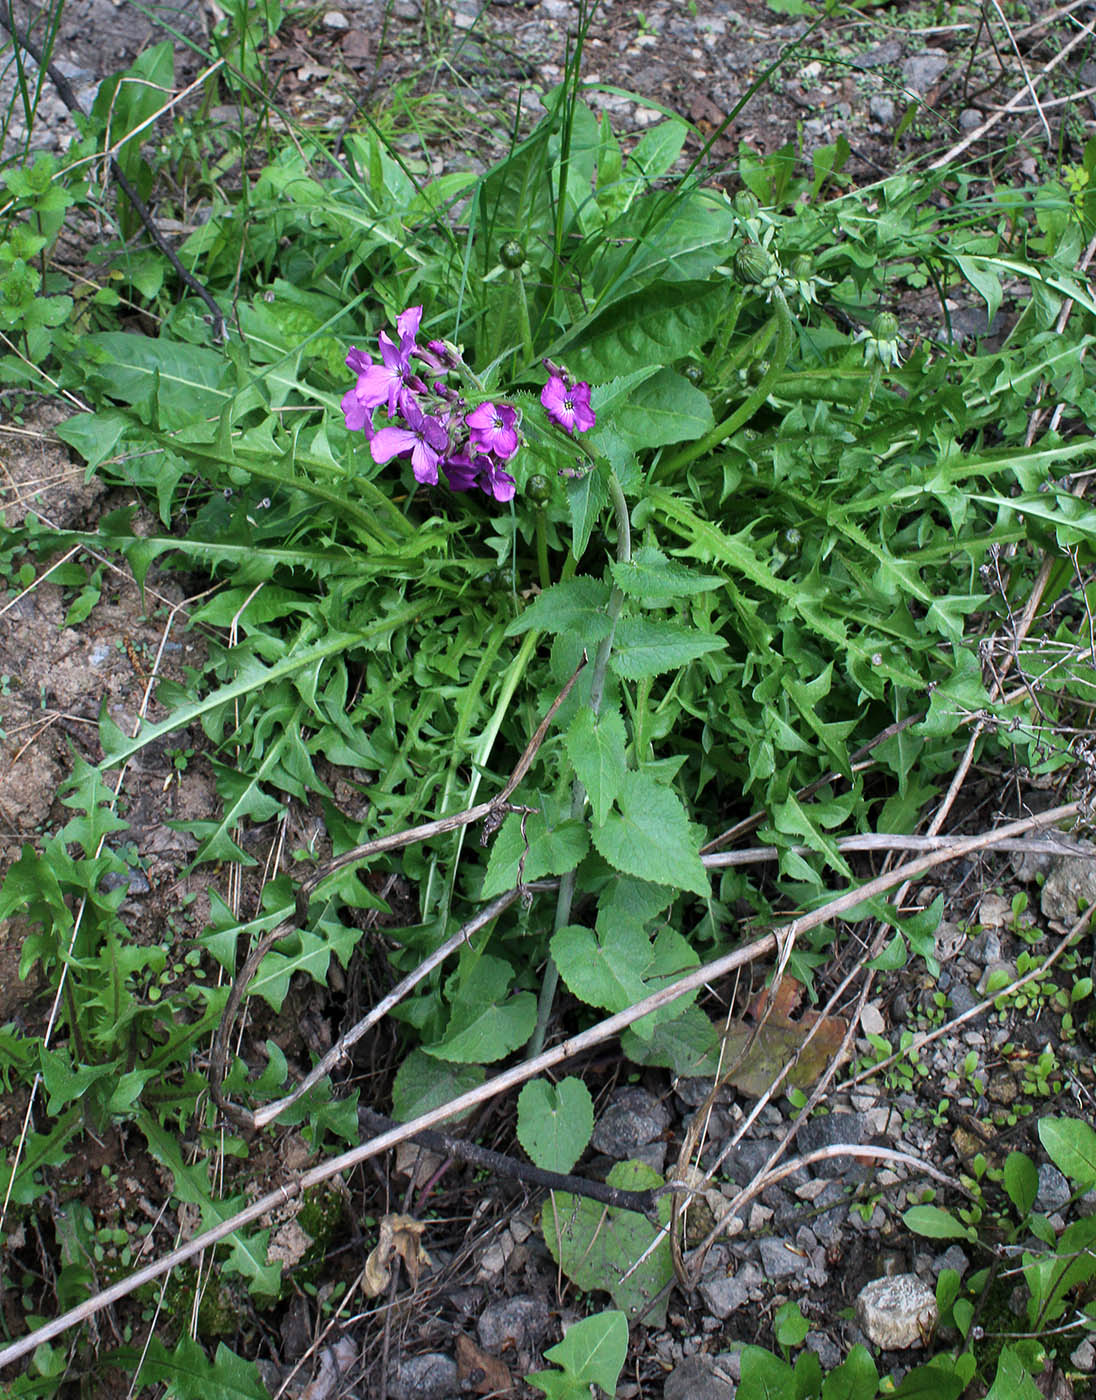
column 656, row 580
column 66, row 1083
column 424, row 1083
column 598, row 1246
column 586, row 497
column 576, row 605
column 555, row 1122
column 592, row 1353
column 645, row 648
column 1021, row 1180
column 662, row 323
column 764, row 1376
column 1013, row 1381
column 687, row 1044
column 855, row 1379
column 485, row 1022
column 188, row 382
column 651, row 836
column 552, row 850
column 1071, row 1146
column 929, row 1383
column 595, row 746
column 666, row 409
column 658, row 148
column 935, row 1223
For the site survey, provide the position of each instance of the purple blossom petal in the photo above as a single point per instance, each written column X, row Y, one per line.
column 493, row 429
column 392, row 442
column 459, row 472
column 408, row 322
column 355, row 412
column 568, row 406
column 357, row 360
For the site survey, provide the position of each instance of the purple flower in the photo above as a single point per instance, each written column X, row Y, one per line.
column 493, row 429
column 358, row 417
column 568, row 405
column 424, row 440
column 464, row 470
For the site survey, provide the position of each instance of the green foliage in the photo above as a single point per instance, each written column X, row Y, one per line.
column 766, row 570
column 592, row 1353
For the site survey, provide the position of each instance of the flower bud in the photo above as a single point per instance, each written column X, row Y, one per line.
column 538, row 489
column 512, row 253
column 752, row 264
column 746, row 204
column 694, row 374
column 885, row 326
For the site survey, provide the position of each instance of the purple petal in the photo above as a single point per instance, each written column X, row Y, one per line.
column 392, row 442
column 355, row 412
column 357, row 360
column 408, row 322
column 424, row 463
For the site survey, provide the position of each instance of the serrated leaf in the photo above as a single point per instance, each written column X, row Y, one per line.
column 1071, row 1146
column 664, row 322
column 575, row 605
column 424, row 1083
column 552, row 850
column 655, row 579
column 486, row 1022
column 595, row 746
column 190, row 1375
column 642, row 647
column 555, row 1122
column 586, row 498
column 651, row 837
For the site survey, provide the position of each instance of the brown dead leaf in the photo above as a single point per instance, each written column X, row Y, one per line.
column 777, row 1040
column 478, row 1371
column 402, row 1235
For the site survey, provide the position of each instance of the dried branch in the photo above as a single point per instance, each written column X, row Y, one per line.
column 520, row 1073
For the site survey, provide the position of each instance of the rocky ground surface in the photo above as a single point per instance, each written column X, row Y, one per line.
column 899, row 84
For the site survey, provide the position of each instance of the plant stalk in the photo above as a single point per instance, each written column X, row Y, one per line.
column 566, row 895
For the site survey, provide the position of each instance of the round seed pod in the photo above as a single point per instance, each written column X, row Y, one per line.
column 538, row 489
column 752, row 264
column 512, row 253
column 746, row 204
column 694, row 374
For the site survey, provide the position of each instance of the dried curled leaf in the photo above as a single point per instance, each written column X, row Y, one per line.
column 402, row 1235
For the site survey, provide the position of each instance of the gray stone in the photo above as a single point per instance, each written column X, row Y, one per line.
column 881, row 110
column 696, row 1379
column 952, row 1258
column 1054, row 1192
column 897, row 1313
column 429, row 1377
column 747, row 1159
column 970, row 119
column 827, row 1131
column 517, row 1322
column 890, row 51
column 335, row 19
column 724, row 1295
column 924, row 69
column 985, row 948
column 779, row 1259
column 963, row 998
column 827, row 1224
column 827, row 1350
column 1084, row 1358
column 633, row 1119
column 1071, row 878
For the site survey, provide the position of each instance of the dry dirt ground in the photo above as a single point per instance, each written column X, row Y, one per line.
column 900, row 83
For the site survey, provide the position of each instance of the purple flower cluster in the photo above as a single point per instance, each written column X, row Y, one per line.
column 430, row 423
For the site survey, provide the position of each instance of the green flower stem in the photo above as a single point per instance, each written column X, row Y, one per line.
column 542, row 549
column 875, row 377
column 523, row 320
column 566, row 894
column 785, row 331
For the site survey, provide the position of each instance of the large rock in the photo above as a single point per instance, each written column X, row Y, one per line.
column 897, row 1313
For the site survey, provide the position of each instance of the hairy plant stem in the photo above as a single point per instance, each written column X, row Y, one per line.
column 543, row 573
column 566, row 895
